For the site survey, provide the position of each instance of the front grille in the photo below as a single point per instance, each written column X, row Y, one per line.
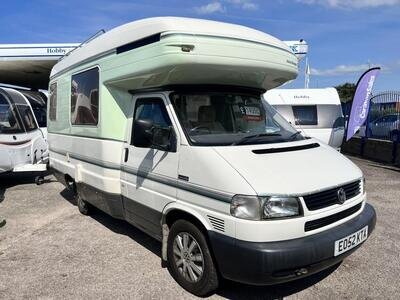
column 318, row 223
column 330, row 197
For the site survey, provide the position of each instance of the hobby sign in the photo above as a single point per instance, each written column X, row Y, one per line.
column 35, row 50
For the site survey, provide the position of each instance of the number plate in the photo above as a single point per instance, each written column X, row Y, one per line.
column 351, row 241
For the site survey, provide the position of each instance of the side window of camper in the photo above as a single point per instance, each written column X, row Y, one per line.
column 85, row 98
column 305, row 114
column 53, row 102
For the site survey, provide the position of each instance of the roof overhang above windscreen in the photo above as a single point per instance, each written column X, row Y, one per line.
column 29, row 65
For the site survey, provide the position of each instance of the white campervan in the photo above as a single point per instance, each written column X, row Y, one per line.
column 316, row 113
column 161, row 122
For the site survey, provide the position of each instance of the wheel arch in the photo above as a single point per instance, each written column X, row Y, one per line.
column 176, row 211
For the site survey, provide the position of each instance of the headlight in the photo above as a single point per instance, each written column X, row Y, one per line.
column 246, row 207
column 258, row 208
column 281, row 207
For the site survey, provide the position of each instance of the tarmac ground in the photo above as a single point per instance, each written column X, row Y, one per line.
column 48, row 250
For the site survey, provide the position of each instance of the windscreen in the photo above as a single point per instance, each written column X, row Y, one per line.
column 223, row 118
column 9, row 121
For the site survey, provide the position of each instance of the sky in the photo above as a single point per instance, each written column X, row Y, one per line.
column 345, row 37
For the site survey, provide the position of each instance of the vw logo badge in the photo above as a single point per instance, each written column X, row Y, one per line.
column 341, row 195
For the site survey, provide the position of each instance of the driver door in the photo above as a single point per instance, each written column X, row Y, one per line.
column 149, row 174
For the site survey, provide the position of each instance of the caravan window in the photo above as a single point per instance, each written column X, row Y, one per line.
column 27, row 117
column 40, row 115
column 85, row 98
column 305, row 114
column 9, row 122
column 53, row 102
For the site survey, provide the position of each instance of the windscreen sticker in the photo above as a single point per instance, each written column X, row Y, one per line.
column 251, row 113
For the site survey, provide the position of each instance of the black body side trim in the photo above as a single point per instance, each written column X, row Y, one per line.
column 143, row 217
column 139, row 43
column 276, row 262
column 286, row 149
column 59, row 176
column 108, row 202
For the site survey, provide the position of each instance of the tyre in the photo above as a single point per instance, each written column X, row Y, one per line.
column 189, row 259
column 84, row 207
column 39, row 180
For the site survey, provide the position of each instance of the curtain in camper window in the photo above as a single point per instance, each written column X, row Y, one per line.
column 85, row 98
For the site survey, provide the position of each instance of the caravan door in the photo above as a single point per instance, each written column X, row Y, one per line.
column 149, row 174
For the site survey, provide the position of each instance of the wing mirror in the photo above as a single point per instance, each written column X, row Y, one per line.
column 148, row 135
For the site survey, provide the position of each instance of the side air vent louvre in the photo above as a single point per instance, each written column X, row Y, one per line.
column 217, row 224
column 286, row 149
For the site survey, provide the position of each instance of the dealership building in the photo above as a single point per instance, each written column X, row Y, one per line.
column 29, row 65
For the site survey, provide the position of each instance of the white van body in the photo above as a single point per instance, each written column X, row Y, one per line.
column 165, row 127
column 316, row 113
column 23, row 144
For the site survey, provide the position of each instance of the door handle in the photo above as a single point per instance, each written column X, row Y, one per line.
column 126, row 154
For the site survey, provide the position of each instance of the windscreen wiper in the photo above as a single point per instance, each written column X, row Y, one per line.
column 254, row 136
column 294, row 135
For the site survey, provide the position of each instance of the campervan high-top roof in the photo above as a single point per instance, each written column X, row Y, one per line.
column 138, row 30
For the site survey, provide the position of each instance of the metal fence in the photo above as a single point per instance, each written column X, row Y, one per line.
column 380, row 136
column 383, row 121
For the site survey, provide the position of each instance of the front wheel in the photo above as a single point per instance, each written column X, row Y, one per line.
column 189, row 259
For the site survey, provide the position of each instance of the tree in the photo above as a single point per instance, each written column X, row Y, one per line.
column 346, row 91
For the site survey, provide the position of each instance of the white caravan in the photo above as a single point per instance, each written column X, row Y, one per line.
column 23, row 144
column 161, row 122
column 316, row 113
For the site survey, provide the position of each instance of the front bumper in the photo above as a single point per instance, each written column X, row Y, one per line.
column 276, row 262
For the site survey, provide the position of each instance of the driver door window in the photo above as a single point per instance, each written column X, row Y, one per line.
column 152, row 109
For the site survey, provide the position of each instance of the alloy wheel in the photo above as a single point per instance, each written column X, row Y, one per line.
column 188, row 257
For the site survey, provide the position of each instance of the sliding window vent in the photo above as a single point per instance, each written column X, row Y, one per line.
column 217, row 224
